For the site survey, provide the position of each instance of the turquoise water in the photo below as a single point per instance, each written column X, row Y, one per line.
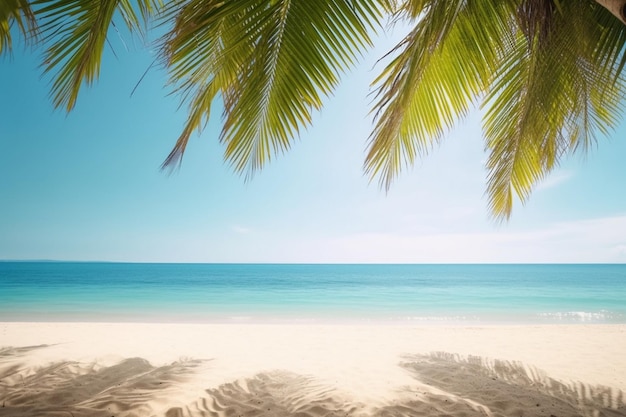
column 459, row 294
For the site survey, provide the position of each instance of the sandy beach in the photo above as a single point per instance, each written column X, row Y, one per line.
column 152, row 369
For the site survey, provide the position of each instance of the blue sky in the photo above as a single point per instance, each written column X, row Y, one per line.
column 87, row 186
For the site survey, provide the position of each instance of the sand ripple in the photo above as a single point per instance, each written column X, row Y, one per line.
column 276, row 393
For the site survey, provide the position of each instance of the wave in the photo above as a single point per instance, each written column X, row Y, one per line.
column 602, row 316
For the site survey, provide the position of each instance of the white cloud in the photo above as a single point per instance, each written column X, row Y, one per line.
column 554, row 180
column 592, row 240
column 241, row 230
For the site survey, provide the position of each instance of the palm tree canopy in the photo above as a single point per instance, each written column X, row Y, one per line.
column 546, row 73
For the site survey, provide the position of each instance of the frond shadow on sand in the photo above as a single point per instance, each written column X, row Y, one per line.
column 73, row 389
column 455, row 385
column 444, row 385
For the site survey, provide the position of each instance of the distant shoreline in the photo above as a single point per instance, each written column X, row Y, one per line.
column 303, row 263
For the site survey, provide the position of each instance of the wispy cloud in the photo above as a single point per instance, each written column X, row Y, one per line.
column 241, row 229
column 554, row 180
column 589, row 240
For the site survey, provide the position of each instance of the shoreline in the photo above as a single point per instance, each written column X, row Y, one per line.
column 372, row 365
column 572, row 318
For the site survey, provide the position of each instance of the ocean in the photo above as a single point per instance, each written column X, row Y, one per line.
column 286, row 293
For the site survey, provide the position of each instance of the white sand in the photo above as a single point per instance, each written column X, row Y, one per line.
column 313, row 370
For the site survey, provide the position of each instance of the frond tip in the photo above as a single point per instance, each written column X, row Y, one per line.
column 439, row 72
column 75, row 32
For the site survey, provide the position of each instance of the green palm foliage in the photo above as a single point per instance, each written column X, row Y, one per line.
column 16, row 13
column 547, row 74
column 272, row 62
column 553, row 90
column 75, row 33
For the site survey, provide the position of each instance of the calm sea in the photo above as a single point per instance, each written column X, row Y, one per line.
column 455, row 294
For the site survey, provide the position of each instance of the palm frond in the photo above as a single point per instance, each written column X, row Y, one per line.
column 608, row 35
column 440, row 70
column 514, row 161
column 548, row 73
column 272, row 62
column 551, row 93
column 16, row 13
column 75, row 32
column 203, row 52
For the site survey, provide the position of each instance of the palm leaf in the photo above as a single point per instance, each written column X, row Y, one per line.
column 439, row 71
column 203, row 53
column 272, row 62
column 20, row 14
column 76, row 32
column 551, row 93
column 547, row 74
